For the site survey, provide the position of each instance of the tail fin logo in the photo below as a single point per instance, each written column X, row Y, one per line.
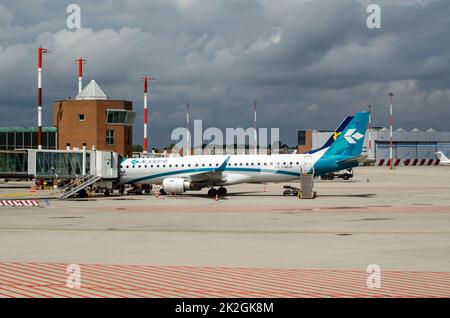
column 352, row 137
column 336, row 134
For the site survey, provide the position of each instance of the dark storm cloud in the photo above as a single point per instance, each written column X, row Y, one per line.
column 308, row 63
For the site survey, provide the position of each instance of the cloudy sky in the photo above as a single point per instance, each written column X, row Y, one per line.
column 307, row 63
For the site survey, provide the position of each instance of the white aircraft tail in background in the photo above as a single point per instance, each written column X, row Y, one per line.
column 443, row 160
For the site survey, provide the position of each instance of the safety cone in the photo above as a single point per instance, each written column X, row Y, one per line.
column 217, row 197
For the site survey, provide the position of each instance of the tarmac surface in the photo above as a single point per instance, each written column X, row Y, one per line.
column 398, row 220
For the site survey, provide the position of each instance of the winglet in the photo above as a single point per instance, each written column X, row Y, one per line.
column 223, row 165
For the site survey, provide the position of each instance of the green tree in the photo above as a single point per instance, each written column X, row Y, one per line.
column 137, row 148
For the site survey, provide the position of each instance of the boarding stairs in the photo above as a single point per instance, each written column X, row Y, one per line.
column 77, row 185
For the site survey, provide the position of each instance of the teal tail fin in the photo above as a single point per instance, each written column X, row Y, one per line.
column 350, row 141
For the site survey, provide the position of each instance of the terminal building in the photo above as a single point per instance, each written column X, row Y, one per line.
column 413, row 147
column 12, row 138
column 95, row 120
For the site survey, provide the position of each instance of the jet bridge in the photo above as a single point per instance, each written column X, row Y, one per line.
column 86, row 168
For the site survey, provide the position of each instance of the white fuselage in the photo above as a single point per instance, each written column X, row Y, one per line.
column 239, row 169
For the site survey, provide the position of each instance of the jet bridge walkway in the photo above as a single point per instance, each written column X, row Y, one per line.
column 84, row 168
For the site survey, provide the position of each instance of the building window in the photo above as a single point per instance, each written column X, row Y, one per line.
column 120, row 117
column 81, row 117
column 110, row 136
column 128, row 136
column 301, row 138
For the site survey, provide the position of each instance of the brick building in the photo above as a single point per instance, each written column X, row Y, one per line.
column 96, row 120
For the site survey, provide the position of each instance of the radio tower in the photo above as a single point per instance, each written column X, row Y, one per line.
column 146, row 80
column 41, row 51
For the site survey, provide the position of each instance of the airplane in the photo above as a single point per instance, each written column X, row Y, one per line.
column 177, row 175
column 443, row 160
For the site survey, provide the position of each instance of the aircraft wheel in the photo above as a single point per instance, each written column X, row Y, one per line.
column 212, row 192
column 222, row 192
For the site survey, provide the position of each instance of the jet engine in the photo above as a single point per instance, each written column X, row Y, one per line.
column 175, row 185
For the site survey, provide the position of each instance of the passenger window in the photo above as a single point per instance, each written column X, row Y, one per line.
column 145, row 166
column 139, row 167
column 217, row 164
column 297, row 162
column 157, row 166
column 203, row 165
column 176, row 166
column 128, row 167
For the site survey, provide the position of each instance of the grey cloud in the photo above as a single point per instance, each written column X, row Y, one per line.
column 308, row 63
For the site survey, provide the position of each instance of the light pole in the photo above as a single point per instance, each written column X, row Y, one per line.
column 391, row 121
column 254, row 127
column 188, row 141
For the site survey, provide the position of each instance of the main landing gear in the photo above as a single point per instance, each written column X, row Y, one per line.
column 221, row 192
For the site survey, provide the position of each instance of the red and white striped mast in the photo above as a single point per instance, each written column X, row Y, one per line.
column 146, row 80
column 370, row 130
column 80, row 63
column 188, row 141
column 41, row 51
column 391, row 122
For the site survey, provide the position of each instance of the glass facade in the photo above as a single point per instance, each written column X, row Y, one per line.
column 301, row 137
column 12, row 138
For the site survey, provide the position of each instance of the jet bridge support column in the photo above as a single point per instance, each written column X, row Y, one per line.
column 83, row 166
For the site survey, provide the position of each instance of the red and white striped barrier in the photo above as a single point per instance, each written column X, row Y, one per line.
column 408, row 162
column 19, row 203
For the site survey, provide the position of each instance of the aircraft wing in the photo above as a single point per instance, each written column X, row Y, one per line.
column 215, row 174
